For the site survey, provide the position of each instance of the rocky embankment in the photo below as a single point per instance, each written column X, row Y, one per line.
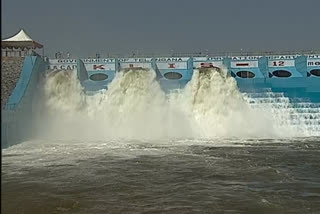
column 11, row 68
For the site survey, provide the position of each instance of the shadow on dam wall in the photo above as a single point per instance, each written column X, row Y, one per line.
column 19, row 80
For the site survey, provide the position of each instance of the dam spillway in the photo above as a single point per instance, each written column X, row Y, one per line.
column 295, row 75
column 286, row 88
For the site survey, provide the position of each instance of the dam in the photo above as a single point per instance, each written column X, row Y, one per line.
column 291, row 74
column 287, row 85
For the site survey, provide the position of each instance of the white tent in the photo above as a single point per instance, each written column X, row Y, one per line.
column 19, row 41
column 21, row 36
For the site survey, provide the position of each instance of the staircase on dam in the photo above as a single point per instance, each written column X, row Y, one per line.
column 11, row 68
column 298, row 113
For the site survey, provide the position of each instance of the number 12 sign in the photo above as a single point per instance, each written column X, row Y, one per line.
column 281, row 63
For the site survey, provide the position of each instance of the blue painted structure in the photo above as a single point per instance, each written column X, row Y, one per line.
column 175, row 72
column 313, row 68
column 252, row 73
column 82, row 73
column 100, row 72
column 299, row 84
column 17, row 115
column 294, row 82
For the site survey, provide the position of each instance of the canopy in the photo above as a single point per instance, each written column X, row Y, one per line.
column 20, row 40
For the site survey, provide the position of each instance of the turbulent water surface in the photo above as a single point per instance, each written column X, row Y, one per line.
column 187, row 176
column 134, row 149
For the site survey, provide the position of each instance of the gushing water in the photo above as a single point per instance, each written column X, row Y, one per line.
column 220, row 110
column 135, row 107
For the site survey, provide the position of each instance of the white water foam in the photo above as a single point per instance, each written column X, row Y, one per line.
column 219, row 109
column 300, row 118
column 135, row 108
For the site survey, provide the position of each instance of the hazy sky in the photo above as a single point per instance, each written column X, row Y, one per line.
column 85, row 27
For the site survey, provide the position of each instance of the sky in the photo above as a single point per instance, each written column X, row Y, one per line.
column 84, row 27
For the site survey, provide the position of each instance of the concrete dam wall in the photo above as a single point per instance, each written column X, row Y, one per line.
column 11, row 68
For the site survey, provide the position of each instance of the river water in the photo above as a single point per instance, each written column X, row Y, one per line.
column 178, row 176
